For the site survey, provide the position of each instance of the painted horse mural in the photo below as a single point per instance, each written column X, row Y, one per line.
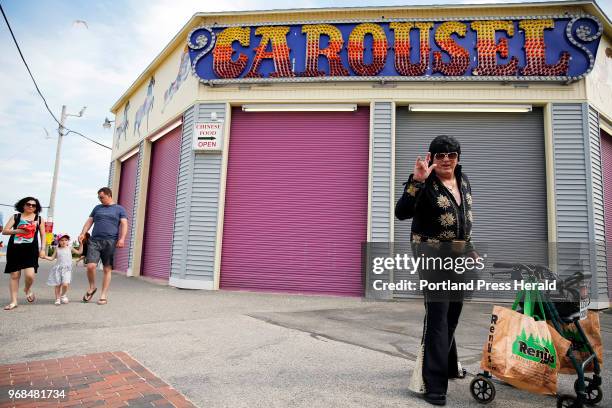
column 181, row 76
column 121, row 128
column 145, row 108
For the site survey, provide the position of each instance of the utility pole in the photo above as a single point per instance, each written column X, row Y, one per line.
column 60, row 132
column 61, row 135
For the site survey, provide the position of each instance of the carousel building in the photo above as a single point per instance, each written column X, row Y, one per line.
column 261, row 149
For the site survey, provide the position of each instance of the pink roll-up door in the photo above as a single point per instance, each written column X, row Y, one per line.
column 127, row 189
column 161, row 203
column 606, row 154
column 296, row 202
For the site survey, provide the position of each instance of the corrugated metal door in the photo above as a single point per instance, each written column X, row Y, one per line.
column 503, row 156
column 161, row 203
column 127, row 189
column 606, row 157
column 296, row 202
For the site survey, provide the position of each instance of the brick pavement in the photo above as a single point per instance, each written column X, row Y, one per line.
column 111, row 379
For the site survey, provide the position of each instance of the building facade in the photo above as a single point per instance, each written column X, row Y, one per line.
column 260, row 150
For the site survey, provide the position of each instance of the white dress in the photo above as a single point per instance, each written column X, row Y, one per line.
column 61, row 273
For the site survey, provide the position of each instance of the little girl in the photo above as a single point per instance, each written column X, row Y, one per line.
column 61, row 273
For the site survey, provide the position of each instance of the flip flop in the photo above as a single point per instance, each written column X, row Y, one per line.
column 102, row 301
column 88, row 295
column 31, row 297
column 10, row 306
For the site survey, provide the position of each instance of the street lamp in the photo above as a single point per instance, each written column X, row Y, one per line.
column 81, row 112
column 60, row 132
column 107, row 123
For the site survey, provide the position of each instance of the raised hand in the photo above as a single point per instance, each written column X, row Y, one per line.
column 421, row 168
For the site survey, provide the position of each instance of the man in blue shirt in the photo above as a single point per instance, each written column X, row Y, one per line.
column 110, row 227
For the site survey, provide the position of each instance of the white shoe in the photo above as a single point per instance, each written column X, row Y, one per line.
column 64, row 299
column 58, row 302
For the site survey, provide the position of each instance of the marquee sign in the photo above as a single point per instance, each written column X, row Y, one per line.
column 559, row 48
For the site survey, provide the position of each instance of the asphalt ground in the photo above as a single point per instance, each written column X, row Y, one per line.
column 244, row 349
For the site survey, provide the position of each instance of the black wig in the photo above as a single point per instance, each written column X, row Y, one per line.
column 443, row 144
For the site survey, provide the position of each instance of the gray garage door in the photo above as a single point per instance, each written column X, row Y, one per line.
column 503, row 155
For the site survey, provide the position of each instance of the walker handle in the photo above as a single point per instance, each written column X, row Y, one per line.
column 504, row 265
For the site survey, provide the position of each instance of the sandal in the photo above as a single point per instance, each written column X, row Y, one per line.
column 30, row 297
column 102, row 301
column 88, row 295
column 10, row 306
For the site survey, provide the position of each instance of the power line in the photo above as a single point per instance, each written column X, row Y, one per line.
column 25, row 63
column 91, row 140
column 13, row 205
column 38, row 89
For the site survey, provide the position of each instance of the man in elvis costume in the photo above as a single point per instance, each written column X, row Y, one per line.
column 438, row 198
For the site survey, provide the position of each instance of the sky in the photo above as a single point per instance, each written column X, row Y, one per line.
column 77, row 65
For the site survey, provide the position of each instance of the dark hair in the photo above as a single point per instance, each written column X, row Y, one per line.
column 20, row 205
column 443, row 144
column 107, row 191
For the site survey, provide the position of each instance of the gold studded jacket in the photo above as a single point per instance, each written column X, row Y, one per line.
column 436, row 217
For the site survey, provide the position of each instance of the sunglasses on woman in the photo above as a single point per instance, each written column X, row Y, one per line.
column 442, row 156
column 30, row 205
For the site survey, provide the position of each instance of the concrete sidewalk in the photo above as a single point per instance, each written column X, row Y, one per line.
column 241, row 349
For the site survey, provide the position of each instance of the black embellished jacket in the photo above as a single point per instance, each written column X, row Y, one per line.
column 436, row 217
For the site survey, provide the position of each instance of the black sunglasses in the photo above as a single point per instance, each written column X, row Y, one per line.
column 31, row 205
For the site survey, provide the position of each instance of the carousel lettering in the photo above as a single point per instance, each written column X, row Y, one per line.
column 418, row 49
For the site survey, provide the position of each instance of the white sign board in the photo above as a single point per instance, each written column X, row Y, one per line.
column 208, row 136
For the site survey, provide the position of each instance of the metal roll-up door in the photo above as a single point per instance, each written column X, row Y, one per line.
column 504, row 158
column 161, row 203
column 127, row 190
column 296, row 202
column 606, row 158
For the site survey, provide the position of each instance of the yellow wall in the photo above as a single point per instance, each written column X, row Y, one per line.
column 599, row 81
column 162, row 109
column 537, row 93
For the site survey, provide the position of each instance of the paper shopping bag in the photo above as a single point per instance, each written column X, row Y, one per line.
column 592, row 330
column 521, row 352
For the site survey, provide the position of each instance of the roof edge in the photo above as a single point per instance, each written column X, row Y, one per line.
column 607, row 24
column 515, row 3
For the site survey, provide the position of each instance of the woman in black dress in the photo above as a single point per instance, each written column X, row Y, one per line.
column 26, row 229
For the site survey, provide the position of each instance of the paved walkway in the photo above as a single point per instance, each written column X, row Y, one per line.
column 102, row 379
column 241, row 349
